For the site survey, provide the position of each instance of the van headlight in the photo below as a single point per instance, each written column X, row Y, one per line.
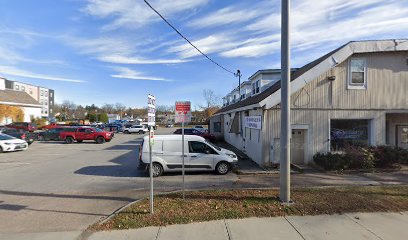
column 231, row 155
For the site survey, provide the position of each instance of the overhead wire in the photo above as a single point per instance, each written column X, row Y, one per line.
column 185, row 38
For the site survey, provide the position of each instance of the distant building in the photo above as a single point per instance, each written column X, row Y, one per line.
column 30, row 107
column 44, row 96
column 113, row 117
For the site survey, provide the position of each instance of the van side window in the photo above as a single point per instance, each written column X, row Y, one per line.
column 199, row 147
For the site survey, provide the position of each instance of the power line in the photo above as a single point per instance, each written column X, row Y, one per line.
column 205, row 55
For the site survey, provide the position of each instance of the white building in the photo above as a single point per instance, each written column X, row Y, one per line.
column 30, row 107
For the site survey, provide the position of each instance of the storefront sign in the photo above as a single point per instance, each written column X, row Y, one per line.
column 254, row 122
column 183, row 112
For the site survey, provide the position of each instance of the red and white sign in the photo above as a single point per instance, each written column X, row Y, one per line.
column 183, row 112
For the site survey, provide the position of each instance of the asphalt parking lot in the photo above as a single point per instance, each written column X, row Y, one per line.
column 53, row 186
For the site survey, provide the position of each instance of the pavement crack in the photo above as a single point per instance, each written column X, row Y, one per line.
column 158, row 233
column 228, row 230
column 294, row 228
column 361, row 225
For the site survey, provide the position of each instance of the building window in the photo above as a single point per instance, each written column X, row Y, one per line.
column 351, row 132
column 22, row 88
column 46, row 93
column 50, row 94
column 257, row 86
column 253, row 88
column 17, row 87
column 42, row 93
column 357, row 78
column 217, row 126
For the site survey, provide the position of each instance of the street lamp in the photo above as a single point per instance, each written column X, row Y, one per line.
column 238, row 74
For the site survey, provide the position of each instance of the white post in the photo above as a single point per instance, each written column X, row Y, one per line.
column 151, row 172
column 182, row 149
column 285, row 107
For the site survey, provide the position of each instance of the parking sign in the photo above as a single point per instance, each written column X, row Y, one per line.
column 151, row 110
column 183, row 112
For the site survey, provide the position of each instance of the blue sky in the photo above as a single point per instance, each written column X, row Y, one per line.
column 112, row 51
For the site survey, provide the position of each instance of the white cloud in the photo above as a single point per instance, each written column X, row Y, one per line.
column 22, row 73
column 135, row 60
column 127, row 73
column 134, row 14
column 226, row 16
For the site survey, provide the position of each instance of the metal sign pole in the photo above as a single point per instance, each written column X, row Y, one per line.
column 151, row 173
column 182, row 149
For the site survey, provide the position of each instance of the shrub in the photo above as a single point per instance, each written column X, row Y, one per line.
column 331, row 161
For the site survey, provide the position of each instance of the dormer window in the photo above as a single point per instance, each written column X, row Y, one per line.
column 257, row 86
column 357, row 75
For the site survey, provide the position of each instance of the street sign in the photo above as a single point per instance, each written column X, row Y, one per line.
column 151, row 110
column 183, row 112
column 151, row 136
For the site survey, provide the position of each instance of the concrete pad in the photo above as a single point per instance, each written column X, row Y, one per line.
column 327, row 227
column 262, row 228
column 41, row 236
column 384, row 225
column 214, row 230
column 148, row 233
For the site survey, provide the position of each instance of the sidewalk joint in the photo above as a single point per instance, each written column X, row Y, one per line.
column 361, row 225
column 158, row 233
column 294, row 228
column 228, row 230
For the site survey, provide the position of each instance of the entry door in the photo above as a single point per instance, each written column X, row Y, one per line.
column 402, row 137
column 297, row 146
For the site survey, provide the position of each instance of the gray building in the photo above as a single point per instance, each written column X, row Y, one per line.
column 354, row 95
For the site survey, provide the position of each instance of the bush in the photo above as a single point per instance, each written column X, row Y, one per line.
column 362, row 158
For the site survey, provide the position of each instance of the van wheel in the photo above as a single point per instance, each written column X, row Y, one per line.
column 100, row 140
column 222, row 168
column 69, row 140
column 157, row 169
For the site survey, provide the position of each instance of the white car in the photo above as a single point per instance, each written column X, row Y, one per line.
column 199, row 155
column 9, row 143
column 141, row 129
column 200, row 128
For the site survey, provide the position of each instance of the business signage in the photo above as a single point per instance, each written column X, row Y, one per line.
column 254, row 122
column 151, row 110
column 183, row 112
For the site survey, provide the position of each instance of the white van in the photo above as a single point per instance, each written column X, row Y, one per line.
column 199, row 155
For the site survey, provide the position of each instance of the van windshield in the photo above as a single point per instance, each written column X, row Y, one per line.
column 213, row 145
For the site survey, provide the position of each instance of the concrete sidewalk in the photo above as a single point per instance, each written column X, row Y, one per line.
column 347, row 226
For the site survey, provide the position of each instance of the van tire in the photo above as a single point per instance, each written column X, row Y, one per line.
column 100, row 140
column 69, row 140
column 222, row 168
column 157, row 169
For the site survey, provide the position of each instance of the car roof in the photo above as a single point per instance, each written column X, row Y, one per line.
column 175, row 137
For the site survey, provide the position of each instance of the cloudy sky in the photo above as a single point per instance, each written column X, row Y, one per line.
column 106, row 51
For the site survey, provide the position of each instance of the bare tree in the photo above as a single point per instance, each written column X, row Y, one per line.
column 211, row 99
column 120, row 109
column 107, row 108
column 68, row 109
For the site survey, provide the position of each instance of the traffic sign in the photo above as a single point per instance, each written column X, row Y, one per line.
column 151, row 110
column 183, row 112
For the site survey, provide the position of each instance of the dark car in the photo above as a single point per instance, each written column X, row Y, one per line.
column 26, row 126
column 114, row 127
column 29, row 138
column 192, row 131
column 54, row 133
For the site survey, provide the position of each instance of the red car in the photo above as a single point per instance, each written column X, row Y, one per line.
column 26, row 126
column 86, row 133
column 192, row 131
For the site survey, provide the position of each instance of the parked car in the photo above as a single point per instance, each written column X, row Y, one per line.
column 26, row 126
column 169, row 125
column 86, row 133
column 9, row 143
column 192, row 131
column 50, row 126
column 141, row 129
column 21, row 134
column 200, row 128
column 54, row 133
column 115, row 127
column 200, row 155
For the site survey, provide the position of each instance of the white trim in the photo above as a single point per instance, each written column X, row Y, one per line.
column 21, row 104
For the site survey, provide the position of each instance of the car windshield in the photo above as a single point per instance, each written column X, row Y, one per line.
column 98, row 130
column 6, row 137
column 213, row 145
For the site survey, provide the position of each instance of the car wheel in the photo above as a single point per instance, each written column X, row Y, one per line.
column 157, row 169
column 1, row 149
column 127, row 132
column 141, row 132
column 79, row 141
column 69, row 140
column 100, row 140
column 222, row 168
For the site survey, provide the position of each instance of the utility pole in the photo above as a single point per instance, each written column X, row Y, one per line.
column 238, row 74
column 285, row 105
